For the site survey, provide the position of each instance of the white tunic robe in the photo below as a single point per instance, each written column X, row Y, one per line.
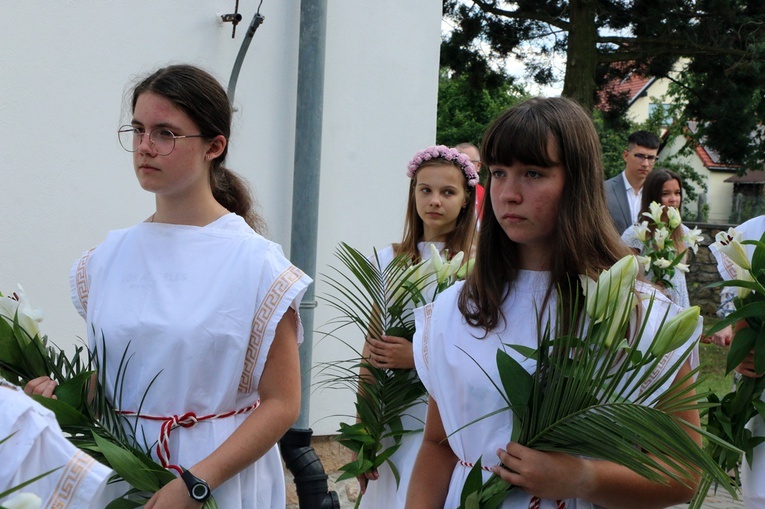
column 37, row 445
column 193, row 311
column 448, row 353
column 383, row 493
column 752, row 476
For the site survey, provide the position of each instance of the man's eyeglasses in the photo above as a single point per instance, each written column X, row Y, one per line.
column 161, row 138
column 643, row 157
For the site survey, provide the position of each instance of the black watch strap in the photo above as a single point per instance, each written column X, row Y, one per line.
column 199, row 490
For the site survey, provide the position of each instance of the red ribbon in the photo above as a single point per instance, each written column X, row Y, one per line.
column 187, row 420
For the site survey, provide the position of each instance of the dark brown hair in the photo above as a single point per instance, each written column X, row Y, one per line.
column 584, row 240
column 199, row 95
column 461, row 238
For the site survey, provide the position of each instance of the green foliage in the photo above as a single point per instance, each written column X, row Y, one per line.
column 464, row 112
column 92, row 424
column 724, row 39
column 728, row 415
column 592, row 397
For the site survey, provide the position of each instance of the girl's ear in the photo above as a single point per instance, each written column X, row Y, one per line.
column 217, row 146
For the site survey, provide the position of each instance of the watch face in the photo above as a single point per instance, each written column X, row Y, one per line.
column 200, row 492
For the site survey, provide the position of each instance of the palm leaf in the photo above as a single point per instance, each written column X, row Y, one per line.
column 594, row 400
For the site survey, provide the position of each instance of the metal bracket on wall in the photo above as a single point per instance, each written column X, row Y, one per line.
column 234, row 18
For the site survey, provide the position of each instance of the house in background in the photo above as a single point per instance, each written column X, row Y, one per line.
column 647, row 94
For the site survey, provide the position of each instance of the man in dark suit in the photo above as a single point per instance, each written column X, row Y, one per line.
column 624, row 192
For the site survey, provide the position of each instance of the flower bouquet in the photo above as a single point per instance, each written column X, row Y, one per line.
column 83, row 410
column 727, row 418
column 381, row 301
column 660, row 257
column 595, row 393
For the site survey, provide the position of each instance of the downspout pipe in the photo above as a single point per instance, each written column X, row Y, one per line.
column 299, row 456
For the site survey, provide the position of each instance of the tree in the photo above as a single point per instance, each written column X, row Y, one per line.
column 464, row 111
column 605, row 39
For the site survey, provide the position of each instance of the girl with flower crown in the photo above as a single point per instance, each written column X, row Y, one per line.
column 665, row 188
column 440, row 213
column 543, row 226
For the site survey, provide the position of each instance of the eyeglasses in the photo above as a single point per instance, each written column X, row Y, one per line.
column 161, row 138
column 643, row 157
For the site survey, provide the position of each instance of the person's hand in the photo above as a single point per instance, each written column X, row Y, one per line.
column 548, row 475
column 370, row 475
column 390, row 352
column 42, row 386
column 746, row 367
column 720, row 338
column 173, row 495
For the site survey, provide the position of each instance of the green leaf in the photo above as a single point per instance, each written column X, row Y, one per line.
column 127, row 465
column 66, row 414
column 473, row 484
column 26, row 483
column 742, row 344
column 516, row 381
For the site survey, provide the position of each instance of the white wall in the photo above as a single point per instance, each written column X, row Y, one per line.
column 65, row 182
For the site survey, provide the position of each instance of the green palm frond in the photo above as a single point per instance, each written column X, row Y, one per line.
column 86, row 413
column 596, row 400
column 376, row 301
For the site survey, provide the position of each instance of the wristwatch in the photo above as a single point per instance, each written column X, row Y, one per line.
column 199, row 490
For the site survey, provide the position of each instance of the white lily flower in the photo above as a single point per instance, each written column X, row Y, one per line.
column 682, row 267
column 673, row 215
column 692, row 239
column 645, row 261
column 660, row 237
column 23, row 501
column 729, row 243
column 662, row 263
column 642, row 230
column 657, row 210
column 29, row 318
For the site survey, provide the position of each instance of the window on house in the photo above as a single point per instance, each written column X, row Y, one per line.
column 662, row 109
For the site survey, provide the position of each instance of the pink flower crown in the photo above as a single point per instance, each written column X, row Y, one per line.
column 447, row 154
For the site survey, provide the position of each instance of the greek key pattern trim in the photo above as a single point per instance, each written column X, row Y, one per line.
column 263, row 315
column 729, row 266
column 656, row 372
column 75, row 472
column 81, row 280
column 426, row 333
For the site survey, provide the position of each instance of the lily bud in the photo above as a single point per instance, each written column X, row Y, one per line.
column 450, row 268
column 613, row 287
column 744, row 275
column 466, row 269
column 676, row 331
column 674, row 217
column 662, row 263
column 435, row 259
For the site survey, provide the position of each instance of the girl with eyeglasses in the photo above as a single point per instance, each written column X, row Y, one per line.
column 201, row 304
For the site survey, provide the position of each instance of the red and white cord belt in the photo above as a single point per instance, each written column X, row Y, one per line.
column 187, row 420
column 535, row 501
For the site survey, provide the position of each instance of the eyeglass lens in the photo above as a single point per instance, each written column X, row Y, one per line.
column 161, row 139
